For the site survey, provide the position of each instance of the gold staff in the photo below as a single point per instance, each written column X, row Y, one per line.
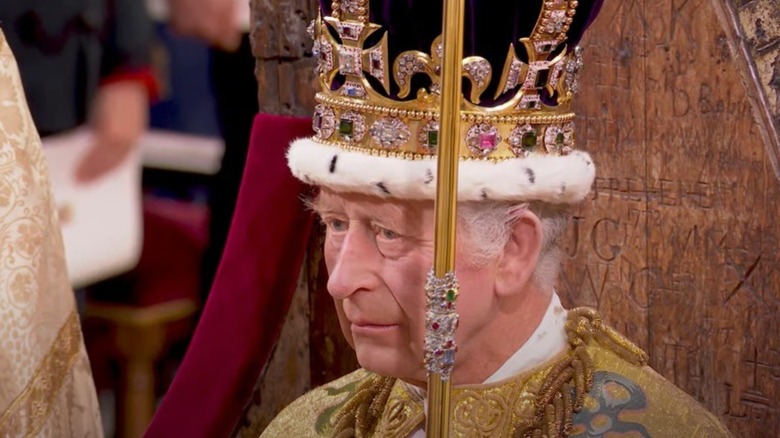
column 442, row 289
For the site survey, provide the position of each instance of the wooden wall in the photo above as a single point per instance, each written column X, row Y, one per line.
column 678, row 243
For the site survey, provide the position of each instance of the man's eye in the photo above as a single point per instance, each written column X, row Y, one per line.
column 388, row 234
column 337, row 225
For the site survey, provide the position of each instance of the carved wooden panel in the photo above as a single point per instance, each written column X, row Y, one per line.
column 753, row 30
column 677, row 245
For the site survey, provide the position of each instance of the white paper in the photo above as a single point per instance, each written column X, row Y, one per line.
column 102, row 220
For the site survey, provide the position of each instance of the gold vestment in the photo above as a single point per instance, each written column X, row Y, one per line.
column 600, row 386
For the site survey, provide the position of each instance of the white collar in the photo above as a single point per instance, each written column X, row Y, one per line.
column 547, row 340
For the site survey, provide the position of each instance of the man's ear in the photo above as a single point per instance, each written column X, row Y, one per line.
column 521, row 254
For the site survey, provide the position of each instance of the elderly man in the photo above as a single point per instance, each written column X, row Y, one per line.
column 524, row 365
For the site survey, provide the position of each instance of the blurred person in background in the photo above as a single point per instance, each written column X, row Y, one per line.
column 85, row 62
column 224, row 26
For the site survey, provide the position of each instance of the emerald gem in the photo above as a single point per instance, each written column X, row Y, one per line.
column 541, row 78
column 451, row 295
column 346, row 127
column 433, row 138
column 529, row 140
column 559, row 138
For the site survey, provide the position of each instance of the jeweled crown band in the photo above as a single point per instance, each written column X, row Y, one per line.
column 413, row 134
column 379, row 67
column 530, row 114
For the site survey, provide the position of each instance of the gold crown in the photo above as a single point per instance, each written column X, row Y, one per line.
column 353, row 115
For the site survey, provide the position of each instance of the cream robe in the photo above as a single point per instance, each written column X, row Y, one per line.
column 46, row 386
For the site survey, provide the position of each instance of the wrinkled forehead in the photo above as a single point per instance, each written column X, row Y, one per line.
column 357, row 205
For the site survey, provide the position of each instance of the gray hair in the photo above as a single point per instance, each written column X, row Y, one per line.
column 487, row 228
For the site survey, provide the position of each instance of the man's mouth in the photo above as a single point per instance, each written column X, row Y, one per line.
column 370, row 327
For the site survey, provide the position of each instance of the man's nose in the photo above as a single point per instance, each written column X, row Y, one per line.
column 354, row 267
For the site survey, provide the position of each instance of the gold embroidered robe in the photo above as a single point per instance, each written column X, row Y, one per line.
column 46, row 386
column 600, row 386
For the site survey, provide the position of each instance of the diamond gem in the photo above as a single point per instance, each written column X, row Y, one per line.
column 323, row 122
column 554, row 139
column 407, row 66
column 573, row 68
column 568, row 139
column 349, row 60
column 556, row 22
column 310, row 29
column 514, row 75
column 350, row 6
column 530, row 101
column 555, row 75
column 390, row 132
column 479, row 70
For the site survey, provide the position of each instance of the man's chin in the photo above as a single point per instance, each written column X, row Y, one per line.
column 389, row 363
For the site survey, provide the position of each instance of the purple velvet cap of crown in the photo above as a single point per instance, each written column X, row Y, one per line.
column 490, row 26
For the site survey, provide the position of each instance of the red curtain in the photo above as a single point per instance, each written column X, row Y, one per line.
column 251, row 294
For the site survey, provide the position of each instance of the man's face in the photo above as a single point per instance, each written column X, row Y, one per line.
column 378, row 253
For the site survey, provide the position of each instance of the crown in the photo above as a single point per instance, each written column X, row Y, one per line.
column 376, row 122
column 389, row 107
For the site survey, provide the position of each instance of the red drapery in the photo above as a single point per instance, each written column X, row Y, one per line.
column 251, row 293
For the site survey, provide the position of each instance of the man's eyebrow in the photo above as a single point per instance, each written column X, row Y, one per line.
column 388, row 221
column 317, row 205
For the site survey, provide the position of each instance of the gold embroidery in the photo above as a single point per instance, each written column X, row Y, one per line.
column 359, row 415
column 554, row 407
column 403, row 414
column 34, row 403
column 538, row 403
